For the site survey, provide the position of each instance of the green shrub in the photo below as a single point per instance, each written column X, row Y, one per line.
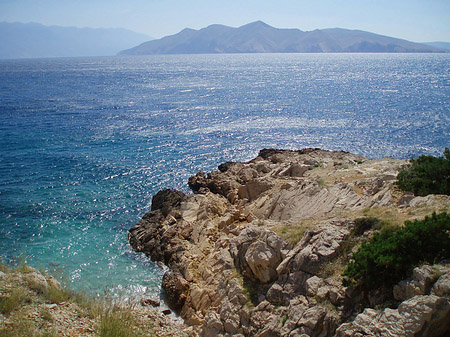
column 364, row 224
column 427, row 175
column 391, row 254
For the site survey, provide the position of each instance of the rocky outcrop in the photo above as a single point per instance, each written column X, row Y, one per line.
column 259, row 248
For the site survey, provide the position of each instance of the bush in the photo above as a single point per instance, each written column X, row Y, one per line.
column 364, row 224
column 427, row 175
column 118, row 321
column 391, row 254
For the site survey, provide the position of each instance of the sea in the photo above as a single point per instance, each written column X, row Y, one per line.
column 86, row 142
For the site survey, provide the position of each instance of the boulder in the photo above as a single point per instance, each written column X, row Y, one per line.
column 176, row 290
column 257, row 252
column 420, row 284
column 419, row 316
column 442, row 286
column 166, row 200
column 318, row 246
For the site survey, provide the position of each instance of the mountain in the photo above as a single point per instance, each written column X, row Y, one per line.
column 258, row 37
column 33, row 40
column 440, row 45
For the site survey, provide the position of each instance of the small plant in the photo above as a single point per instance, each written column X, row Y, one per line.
column 46, row 315
column 391, row 254
column 427, row 175
column 364, row 224
column 292, row 233
column 117, row 321
column 16, row 298
column 55, row 294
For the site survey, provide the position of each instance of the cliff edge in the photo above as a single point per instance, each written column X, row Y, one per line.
column 259, row 248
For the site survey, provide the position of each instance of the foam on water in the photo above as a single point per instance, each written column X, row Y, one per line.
column 85, row 143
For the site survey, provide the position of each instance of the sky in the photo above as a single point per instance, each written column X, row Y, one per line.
column 414, row 20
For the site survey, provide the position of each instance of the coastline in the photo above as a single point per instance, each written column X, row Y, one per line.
column 260, row 246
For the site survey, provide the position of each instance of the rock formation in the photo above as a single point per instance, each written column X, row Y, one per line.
column 259, row 248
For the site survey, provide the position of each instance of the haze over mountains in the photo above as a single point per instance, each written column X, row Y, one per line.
column 258, row 37
column 32, row 40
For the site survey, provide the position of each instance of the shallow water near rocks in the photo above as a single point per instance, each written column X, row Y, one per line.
column 86, row 142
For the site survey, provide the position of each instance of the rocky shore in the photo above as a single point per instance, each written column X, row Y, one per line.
column 36, row 305
column 259, row 248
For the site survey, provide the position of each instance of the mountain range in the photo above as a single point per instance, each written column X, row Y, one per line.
column 33, row 40
column 259, row 37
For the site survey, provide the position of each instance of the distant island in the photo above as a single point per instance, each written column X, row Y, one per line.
column 259, row 37
column 33, row 40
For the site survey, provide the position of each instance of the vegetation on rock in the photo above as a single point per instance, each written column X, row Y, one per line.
column 36, row 305
column 391, row 254
column 427, row 175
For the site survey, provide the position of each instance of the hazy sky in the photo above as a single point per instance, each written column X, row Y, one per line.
column 415, row 20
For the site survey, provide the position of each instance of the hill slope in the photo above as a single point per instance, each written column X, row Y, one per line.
column 441, row 45
column 258, row 37
column 32, row 40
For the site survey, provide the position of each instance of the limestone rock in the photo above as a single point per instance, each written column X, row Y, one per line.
column 222, row 238
column 442, row 286
column 166, row 200
column 420, row 284
column 176, row 290
column 257, row 252
column 318, row 246
column 36, row 281
column 418, row 316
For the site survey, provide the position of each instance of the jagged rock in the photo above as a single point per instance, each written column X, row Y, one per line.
column 176, row 290
column 420, row 284
column 257, row 252
column 36, row 281
column 442, row 286
column 318, row 246
column 212, row 325
column 166, row 200
column 419, row 316
column 230, row 222
column 148, row 301
column 312, row 285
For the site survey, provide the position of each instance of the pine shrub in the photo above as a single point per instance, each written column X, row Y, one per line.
column 391, row 254
column 427, row 175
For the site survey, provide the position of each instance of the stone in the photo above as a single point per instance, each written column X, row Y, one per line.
column 257, row 252
column 442, row 286
column 176, row 290
column 212, row 325
column 148, row 301
column 167, row 199
column 318, row 246
column 36, row 281
column 312, row 285
column 228, row 234
column 419, row 316
column 420, row 284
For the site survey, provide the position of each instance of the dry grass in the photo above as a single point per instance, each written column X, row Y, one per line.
column 292, row 233
column 16, row 298
column 118, row 321
column 24, row 303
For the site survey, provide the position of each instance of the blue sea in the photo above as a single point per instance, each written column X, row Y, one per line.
column 86, row 142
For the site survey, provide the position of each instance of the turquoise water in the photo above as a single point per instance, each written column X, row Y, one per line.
column 86, row 142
